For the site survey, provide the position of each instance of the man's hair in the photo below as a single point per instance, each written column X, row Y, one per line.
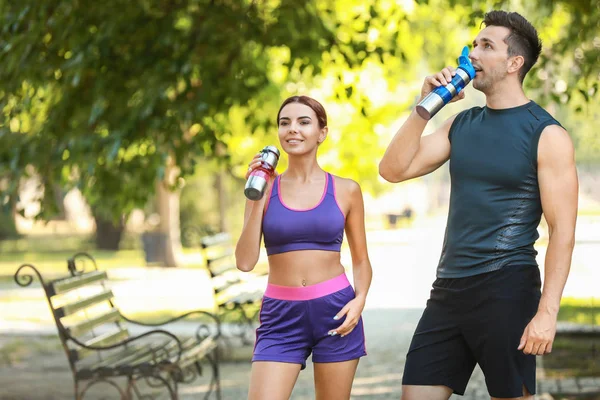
column 523, row 39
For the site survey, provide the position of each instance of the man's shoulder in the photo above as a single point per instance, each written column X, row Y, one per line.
column 465, row 116
column 539, row 112
column 469, row 113
column 475, row 110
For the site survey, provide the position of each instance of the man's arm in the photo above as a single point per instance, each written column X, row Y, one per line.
column 409, row 155
column 557, row 177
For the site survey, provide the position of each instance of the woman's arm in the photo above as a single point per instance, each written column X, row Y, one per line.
column 247, row 249
column 361, row 266
column 357, row 240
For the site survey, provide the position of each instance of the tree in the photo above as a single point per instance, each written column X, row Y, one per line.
column 129, row 88
column 108, row 96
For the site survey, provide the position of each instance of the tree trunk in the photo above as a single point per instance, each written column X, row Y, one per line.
column 169, row 227
column 222, row 199
column 221, row 189
column 108, row 234
column 8, row 214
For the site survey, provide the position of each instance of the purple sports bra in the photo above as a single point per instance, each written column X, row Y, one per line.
column 318, row 228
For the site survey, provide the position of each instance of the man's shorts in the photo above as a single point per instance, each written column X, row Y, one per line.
column 295, row 321
column 477, row 320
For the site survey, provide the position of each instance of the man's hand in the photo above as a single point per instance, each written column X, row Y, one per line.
column 539, row 334
column 442, row 78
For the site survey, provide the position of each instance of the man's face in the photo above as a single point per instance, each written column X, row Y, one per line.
column 490, row 57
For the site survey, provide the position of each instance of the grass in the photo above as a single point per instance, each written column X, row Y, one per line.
column 123, row 265
column 13, row 351
column 573, row 357
column 55, row 263
column 581, row 311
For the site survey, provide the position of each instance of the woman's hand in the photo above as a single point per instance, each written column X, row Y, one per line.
column 255, row 163
column 352, row 311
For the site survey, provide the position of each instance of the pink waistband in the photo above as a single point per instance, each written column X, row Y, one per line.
column 307, row 292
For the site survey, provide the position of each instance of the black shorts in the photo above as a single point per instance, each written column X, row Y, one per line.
column 477, row 320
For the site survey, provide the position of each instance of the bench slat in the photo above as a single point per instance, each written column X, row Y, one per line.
column 143, row 358
column 72, row 308
column 215, row 257
column 107, row 339
column 240, row 297
column 64, row 285
column 196, row 352
column 165, row 351
column 79, row 329
column 142, row 354
column 223, row 267
column 131, row 352
column 223, row 282
column 219, row 238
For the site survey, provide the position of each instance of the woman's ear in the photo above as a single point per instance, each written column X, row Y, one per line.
column 323, row 135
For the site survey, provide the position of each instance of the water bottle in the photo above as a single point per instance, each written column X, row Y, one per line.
column 259, row 177
column 441, row 95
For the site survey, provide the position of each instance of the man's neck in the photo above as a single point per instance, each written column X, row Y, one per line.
column 506, row 95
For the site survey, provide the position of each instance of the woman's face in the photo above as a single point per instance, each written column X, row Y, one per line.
column 299, row 131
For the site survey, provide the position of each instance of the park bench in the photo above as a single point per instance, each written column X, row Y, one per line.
column 100, row 348
column 235, row 291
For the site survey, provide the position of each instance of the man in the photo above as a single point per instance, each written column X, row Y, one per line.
column 510, row 161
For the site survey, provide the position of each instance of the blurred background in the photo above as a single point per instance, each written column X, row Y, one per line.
column 126, row 128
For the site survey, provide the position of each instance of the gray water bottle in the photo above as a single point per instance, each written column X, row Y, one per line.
column 259, row 177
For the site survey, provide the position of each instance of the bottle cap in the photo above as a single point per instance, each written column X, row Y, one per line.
column 272, row 149
column 465, row 63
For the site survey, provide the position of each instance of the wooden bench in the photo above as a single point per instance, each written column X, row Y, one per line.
column 100, row 349
column 234, row 290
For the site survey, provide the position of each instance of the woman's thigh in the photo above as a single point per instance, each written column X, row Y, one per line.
column 333, row 381
column 272, row 380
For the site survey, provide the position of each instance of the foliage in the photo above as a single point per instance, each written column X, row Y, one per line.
column 122, row 87
column 569, row 66
column 104, row 96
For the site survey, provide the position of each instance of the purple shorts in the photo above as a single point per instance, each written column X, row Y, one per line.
column 294, row 321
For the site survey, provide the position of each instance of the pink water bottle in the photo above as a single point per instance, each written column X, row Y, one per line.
column 259, row 177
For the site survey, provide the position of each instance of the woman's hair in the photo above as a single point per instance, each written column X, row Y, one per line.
column 310, row 102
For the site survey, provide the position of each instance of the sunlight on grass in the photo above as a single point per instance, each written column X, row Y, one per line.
column 137, row 291
column 580, row 310
column 56, row 262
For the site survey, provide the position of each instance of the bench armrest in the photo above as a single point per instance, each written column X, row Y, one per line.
column 127, row 341
column 182, row 316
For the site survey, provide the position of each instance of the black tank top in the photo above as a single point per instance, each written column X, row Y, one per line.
column 495, row 205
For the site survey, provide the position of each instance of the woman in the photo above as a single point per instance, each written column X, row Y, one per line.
column 309, row 306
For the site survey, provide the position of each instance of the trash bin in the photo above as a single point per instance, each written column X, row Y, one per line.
column 155, row 247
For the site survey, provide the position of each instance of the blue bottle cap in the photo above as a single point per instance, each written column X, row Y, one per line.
column 465, row 63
